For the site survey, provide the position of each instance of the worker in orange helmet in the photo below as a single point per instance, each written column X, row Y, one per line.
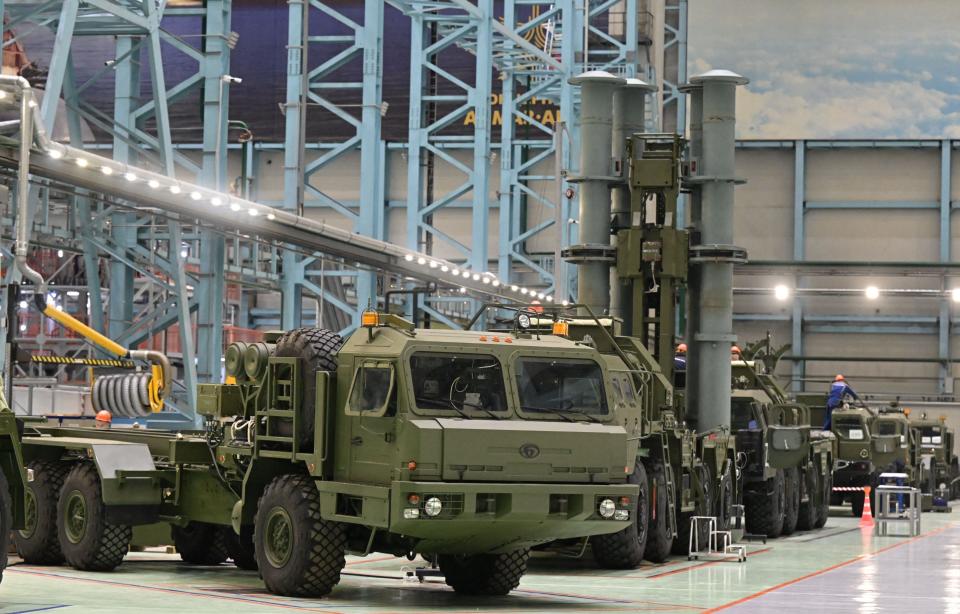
column 839, row 391
column 103, row 419
column 735, row 351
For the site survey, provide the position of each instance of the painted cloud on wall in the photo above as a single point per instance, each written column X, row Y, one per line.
column 827, row 69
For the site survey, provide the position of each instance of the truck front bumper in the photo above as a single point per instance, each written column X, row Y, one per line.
column 496, row 517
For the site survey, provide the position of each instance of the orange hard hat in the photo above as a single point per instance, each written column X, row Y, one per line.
column 104, row 416
column 682, row 348
column 838, row 378
column 735, row 350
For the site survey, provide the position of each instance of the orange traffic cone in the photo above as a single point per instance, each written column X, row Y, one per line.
column 866, row 518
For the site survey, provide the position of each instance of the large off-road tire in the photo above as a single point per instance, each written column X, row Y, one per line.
column 823, row 512
column 240, row 547
column 724, row 501
column 484, row 574
column 299, row 554
column 38, row 543
column 200, row 543
column 702, row 507
column 812, row 489
column 624, row 549
column 791, row 492
column 6, row 519
column 317, row 350
column 88, row 541
column 765, row 508
column 659, row 536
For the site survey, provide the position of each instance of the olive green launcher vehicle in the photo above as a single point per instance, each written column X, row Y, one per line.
column 467, row 448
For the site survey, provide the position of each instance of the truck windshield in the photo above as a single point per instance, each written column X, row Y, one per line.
column 849, row 429
column 930, row 436
column 886, row 428
column 458, row 383
column 564, row 385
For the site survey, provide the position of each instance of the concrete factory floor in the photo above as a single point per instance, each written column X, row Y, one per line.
column 838, row 569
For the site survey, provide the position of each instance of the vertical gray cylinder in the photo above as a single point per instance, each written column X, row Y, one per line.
column 716, row 254
column 594, row 254
column 629, row 118
column 695, row 152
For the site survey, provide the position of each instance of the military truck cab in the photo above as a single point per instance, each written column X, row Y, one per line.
column 466, row 448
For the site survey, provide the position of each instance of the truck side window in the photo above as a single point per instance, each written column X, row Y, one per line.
column 372, row 388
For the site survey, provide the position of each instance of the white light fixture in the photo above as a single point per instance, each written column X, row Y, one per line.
column 565, row 303
column 524, row 291
column 23, row 328
column 184, row 253
column 486, row 280
column 549, row 299
column 235, row 206
column 215, row 201
column 463, row 290
column 130, row 176
column 476, row 277
column 541, row 296
column 252, row 212
column 56, row 154
column 955, row 295
column 82, row 162
column 23, row 305
column 433, row 264
column 408, row 257
column 781, row 292
column 421, row 261
column 456, row 272
column 73, row 293
column 466, row 274
column 445, row 269
column 514, row 287
column 153, row 183
column 59, row 253
column 174, row 189
column 872, row 292
column 195, row 195
column 106, row 170
column 271, row 216
column 496, row 283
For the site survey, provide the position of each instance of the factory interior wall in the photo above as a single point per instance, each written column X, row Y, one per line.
column 764, row 225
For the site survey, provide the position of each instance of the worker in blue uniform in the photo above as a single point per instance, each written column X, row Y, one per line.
column 680, row 358
column 840, row 390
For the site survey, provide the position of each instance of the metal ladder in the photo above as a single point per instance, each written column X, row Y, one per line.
column 671, row 486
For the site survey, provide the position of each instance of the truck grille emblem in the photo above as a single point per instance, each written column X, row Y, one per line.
column 529, row 450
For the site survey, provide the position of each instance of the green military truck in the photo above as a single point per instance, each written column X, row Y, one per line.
column 869, row 442
column 13, row 479
column 467, row 448
column 787, row 463
column 674, row 483
column 938, row 457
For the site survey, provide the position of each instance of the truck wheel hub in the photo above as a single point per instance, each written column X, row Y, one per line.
column 30, row 518
column 279, row 537
column 75, row 523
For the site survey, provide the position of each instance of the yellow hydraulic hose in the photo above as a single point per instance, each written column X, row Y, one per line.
column 71, row 323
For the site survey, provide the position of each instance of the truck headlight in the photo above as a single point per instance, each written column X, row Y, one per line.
column 433, row 506
column 411, row 513
column 621, row 515
column 607, row 508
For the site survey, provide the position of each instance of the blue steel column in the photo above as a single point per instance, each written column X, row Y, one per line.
column 943, row 329
column 293, row 164
column 799, row 239
column 481, row 137
column 123, row 229
column 371, row 219
column 210, row 289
